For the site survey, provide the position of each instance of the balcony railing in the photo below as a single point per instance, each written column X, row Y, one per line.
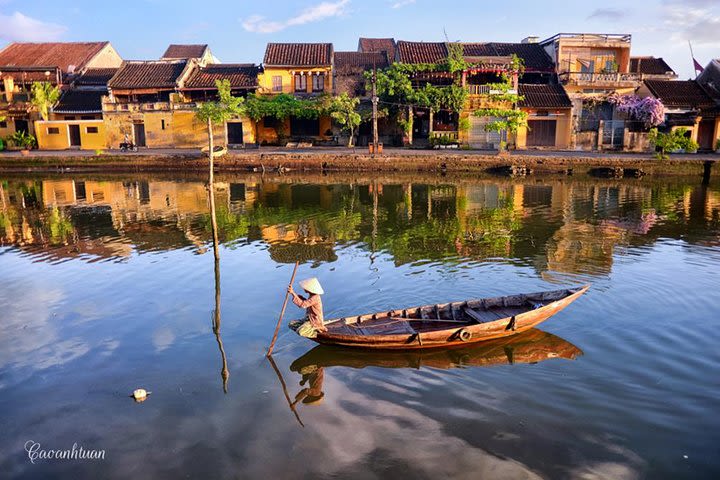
column 478, row 89
column 136, row 107
column 580, row 78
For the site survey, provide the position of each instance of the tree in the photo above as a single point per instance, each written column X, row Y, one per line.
column 218, row 111
column 43, row 96
column 343, row 109
column 507, row 117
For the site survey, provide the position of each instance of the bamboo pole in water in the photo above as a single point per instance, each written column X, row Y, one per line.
column 282, row 312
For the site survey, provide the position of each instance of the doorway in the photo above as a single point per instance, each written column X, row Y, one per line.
column 21, row 126
column 139, row 134
column 541, row 133
column 74, row 135
column 235, row 133
column 706, row 130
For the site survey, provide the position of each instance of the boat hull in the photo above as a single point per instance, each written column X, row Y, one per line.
column 402, row 336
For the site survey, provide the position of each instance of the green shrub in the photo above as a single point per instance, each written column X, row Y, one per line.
column 671, row 142
column 22, row 140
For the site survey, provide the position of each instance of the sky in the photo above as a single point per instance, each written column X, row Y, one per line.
column 238, row 30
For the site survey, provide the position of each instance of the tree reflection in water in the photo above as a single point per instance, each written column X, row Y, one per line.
column 224, row 372
column 553, row 225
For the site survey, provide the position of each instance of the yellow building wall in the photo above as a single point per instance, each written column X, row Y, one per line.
column 106, row 58
column 182, row 129
column 288, row 79
column 61, row 140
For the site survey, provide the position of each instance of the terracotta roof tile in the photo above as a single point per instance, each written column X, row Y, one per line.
column 242, row 75
column 60, row 54
column 358, row 61
column 80, row 101
column 96, row 76
column 421, row 52
column 650, row 66
column 534, row 56
column 680, row 93
column 179, row 52
column 378, row 45
column 148, row 74
column 543, row 96
column 298, row 54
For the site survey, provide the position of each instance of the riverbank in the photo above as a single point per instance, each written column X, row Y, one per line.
column 340, row 159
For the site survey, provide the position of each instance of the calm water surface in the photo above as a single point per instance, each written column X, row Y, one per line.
column 107, row 284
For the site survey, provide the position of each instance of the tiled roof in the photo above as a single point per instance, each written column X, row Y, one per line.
column 179, row 52
column 421, row 52
column 650, row 66
column 298, row 54
column 150, row 74
column 80, row 101
column 242, row 75
column 358, row 61
column 680, row 93
column 534, row 56
column 378, row 45
column 96, row 76
column 60, row 54
column 543, row 96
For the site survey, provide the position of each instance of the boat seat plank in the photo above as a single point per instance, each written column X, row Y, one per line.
column 474, row 315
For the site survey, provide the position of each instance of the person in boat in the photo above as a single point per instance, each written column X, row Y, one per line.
column 312, row 305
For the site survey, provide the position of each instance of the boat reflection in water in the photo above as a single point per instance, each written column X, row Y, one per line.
column 531, row 347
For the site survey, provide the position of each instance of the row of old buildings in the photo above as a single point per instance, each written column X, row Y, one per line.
column 566, row 83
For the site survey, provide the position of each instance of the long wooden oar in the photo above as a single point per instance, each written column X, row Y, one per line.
column 282, row 312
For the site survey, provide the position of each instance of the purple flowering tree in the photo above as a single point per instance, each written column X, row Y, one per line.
column 649, row 110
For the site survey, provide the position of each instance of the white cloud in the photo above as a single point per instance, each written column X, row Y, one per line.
column 21, row 28
column 260, row 24
column 401, row 3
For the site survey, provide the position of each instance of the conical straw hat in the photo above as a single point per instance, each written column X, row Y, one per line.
column 312, row 285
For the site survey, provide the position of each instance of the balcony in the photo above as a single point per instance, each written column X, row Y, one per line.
column 601, row 79
column 478, row 89
column 109, row 106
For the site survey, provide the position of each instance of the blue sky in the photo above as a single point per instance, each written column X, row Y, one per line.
column 237, row 30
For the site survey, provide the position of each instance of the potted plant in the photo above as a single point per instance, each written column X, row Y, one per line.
column 22, row 140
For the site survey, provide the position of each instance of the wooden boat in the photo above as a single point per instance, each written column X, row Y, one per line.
column 532, row 346
column 447, row 324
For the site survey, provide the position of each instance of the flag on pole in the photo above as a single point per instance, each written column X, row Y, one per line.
column 698, row 67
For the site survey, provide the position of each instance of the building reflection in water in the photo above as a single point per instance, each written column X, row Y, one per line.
column 555, row 225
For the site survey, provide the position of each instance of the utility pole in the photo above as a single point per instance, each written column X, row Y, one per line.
column 374, row 109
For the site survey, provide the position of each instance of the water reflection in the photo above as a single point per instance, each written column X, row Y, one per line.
column 530, row 347
column 554, row 225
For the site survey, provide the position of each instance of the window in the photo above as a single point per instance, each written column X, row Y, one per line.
column 53, row 131
column 3, row 124
column 91, row 129
column 300, row 83
column 87, row 117
column 68, row 118
column 162, row 124
column 270, row 122
column 318, row 83
column 277, row 83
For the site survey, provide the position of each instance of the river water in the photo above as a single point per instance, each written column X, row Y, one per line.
column 107, row 284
